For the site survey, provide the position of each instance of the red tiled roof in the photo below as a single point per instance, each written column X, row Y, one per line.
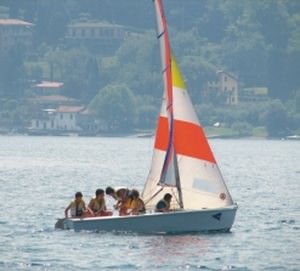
column 14, row 22
column 69, row 109
column 49, row 84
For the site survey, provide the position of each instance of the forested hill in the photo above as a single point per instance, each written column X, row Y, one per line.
column 259, row 40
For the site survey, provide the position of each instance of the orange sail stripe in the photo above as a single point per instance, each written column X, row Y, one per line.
column 186, row 134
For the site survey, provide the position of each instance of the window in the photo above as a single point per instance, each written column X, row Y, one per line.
column 225, row 79
column 110, row 32
column 71, row 116
column 45, row 125
column 92, row 32
column 52, row 124
column 37, row 123
column 61, row 116
column 83, row 32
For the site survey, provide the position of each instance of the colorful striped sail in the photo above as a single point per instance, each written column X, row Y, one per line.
column 180, row 136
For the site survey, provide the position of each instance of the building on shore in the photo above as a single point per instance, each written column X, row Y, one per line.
column 63, row 120
column 48, row 88
column 254, row 94
column 15, row 32
column 227, row 85
column 96, row 35
column 55, row 114
column 39, row 103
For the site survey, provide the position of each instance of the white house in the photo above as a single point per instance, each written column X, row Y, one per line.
column 227, row 84
column 63, row 118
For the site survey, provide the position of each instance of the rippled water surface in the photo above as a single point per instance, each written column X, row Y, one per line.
column 39, row 175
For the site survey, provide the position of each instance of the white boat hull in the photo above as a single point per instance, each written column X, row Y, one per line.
column 173, row 222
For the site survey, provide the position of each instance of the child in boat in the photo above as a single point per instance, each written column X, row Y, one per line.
column 121, row 195
column 137, row 205
column 77, row 206
column 97, row 205
column 164, row 204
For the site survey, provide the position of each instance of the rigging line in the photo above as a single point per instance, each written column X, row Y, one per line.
column 153, row 196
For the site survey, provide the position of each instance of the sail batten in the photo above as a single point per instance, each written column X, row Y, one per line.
column 161, row 34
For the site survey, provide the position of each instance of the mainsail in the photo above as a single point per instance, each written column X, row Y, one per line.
column 180, row 136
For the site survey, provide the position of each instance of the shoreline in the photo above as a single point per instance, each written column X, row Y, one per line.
column 149, row 135
column 259, row 133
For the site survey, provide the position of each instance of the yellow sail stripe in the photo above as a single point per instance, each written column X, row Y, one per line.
column 177, row 79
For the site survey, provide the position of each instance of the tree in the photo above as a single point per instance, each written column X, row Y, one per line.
column 52, row 18
column 206, row 113
column 245, row 49
column 12, row 72
column 293, row 60
column 139, row 65
column 74, row 87
column 198, row 72
column 242, row 129
column 147, row 116
column 297, row 101
column 275, row 119
column 115, row 106
column 93, row 79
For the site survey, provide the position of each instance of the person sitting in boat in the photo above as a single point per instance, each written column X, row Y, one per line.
column 136, row 204
column 164, row 204
column 97, row 206
column 77, row 206
column 125, row 203
column 121, row 195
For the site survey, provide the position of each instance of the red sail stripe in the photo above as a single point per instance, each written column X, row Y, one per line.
column 189, row 138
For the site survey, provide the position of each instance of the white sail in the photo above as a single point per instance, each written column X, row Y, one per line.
column 202, row 184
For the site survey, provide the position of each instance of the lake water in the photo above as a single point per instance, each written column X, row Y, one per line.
column 39, row 175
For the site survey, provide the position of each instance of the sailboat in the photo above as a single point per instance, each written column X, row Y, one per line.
column 183, row 165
